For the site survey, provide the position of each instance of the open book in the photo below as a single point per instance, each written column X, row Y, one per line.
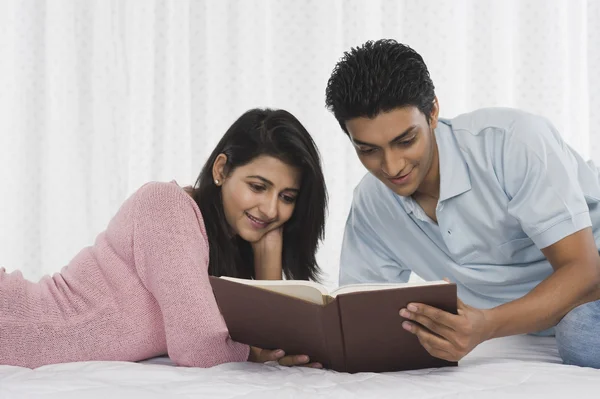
column 353, row 328
column 319, row 294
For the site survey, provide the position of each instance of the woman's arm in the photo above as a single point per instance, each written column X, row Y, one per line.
column 267, row 255
column 171, row 255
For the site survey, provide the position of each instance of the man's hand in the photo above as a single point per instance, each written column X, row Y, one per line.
column 445, row 335
column 259, row 355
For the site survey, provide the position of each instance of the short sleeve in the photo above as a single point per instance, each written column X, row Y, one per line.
column 541, row 182
column 364, row 257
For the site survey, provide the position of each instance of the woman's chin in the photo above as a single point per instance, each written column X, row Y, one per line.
column 250, row 236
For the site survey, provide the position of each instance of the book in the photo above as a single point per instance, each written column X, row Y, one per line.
column 354, row 328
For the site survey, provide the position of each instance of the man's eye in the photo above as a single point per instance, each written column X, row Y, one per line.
column 366, row 150
column 407, row 142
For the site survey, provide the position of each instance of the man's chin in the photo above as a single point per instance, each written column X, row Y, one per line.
column 401, row 190
column 404, row 192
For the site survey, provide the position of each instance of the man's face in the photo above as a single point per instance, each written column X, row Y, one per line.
column 398, row 147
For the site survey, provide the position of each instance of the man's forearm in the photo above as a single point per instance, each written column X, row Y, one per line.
column 542, row 308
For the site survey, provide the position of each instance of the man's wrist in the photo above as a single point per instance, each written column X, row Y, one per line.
column 492, row 323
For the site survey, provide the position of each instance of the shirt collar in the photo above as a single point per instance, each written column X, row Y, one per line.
column 407, row 203
column 454, row 171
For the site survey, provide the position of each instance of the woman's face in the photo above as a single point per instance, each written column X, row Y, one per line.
column 257, row 197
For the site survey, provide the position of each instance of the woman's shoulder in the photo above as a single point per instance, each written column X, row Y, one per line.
column 165, row 197
column 159, row 190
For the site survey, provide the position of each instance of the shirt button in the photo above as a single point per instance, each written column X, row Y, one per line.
column 449, row 232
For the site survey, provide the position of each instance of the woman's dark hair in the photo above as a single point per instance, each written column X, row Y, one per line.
column 378, row 77
column 279, row 134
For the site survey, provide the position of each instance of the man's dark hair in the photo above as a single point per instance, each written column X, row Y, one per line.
column 378, row 77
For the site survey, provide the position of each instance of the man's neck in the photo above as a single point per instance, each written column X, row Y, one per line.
column 430, row 187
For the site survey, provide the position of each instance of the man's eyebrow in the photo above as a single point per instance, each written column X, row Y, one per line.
column 399, row 137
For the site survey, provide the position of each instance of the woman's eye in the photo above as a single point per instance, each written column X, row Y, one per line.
column 289, row 199
column 256, row 187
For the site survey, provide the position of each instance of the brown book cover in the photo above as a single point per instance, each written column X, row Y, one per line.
column 352, row 329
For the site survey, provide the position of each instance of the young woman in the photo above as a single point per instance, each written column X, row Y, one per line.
column 142, row 290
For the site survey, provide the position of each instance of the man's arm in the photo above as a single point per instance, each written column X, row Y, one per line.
column 546, row 198
column 575, row 281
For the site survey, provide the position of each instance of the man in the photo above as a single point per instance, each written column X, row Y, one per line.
column 494, row 200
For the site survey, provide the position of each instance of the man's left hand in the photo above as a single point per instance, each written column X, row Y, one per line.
column 445, row 335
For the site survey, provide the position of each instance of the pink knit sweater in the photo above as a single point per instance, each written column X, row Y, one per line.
column 142, row 290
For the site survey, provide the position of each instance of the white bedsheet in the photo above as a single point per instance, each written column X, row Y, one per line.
column 515, row 367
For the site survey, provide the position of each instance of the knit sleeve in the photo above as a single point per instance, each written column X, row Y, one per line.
column 171, row 256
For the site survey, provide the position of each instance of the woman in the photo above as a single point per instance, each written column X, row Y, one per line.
column 142, row 290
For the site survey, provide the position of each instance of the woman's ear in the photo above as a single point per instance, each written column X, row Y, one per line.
column 218, row 169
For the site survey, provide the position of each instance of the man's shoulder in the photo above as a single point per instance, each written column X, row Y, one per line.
column 501, row 119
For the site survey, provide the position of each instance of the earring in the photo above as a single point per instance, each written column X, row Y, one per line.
column 217, row 182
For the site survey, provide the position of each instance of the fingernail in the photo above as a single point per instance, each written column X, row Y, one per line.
column 279, row 353
column 303, row 359
column 412, row 308
column 318, row 365
column 404, row 313
column 407, row 326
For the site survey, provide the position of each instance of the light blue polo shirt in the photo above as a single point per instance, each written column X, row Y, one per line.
column 509, row 186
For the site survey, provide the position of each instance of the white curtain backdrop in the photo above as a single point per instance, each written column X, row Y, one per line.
column 98, row 97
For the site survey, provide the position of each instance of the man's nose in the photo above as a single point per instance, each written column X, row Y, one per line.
column 392, row 163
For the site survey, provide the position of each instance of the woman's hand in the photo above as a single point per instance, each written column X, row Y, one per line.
column 267, row 255
column 272, row 241
column 259, row 355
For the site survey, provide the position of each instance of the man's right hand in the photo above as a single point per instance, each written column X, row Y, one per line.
column 259, row 355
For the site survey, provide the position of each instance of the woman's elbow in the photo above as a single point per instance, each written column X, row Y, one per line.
column 210, row 356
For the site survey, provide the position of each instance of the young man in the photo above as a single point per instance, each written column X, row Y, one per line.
column 494, row 200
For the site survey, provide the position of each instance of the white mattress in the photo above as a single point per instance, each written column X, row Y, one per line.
column 515, row 367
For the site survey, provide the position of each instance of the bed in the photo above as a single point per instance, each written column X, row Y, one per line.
column 515, row 367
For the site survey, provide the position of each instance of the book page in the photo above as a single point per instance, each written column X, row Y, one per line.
column 376, row 287
column 301, row 289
